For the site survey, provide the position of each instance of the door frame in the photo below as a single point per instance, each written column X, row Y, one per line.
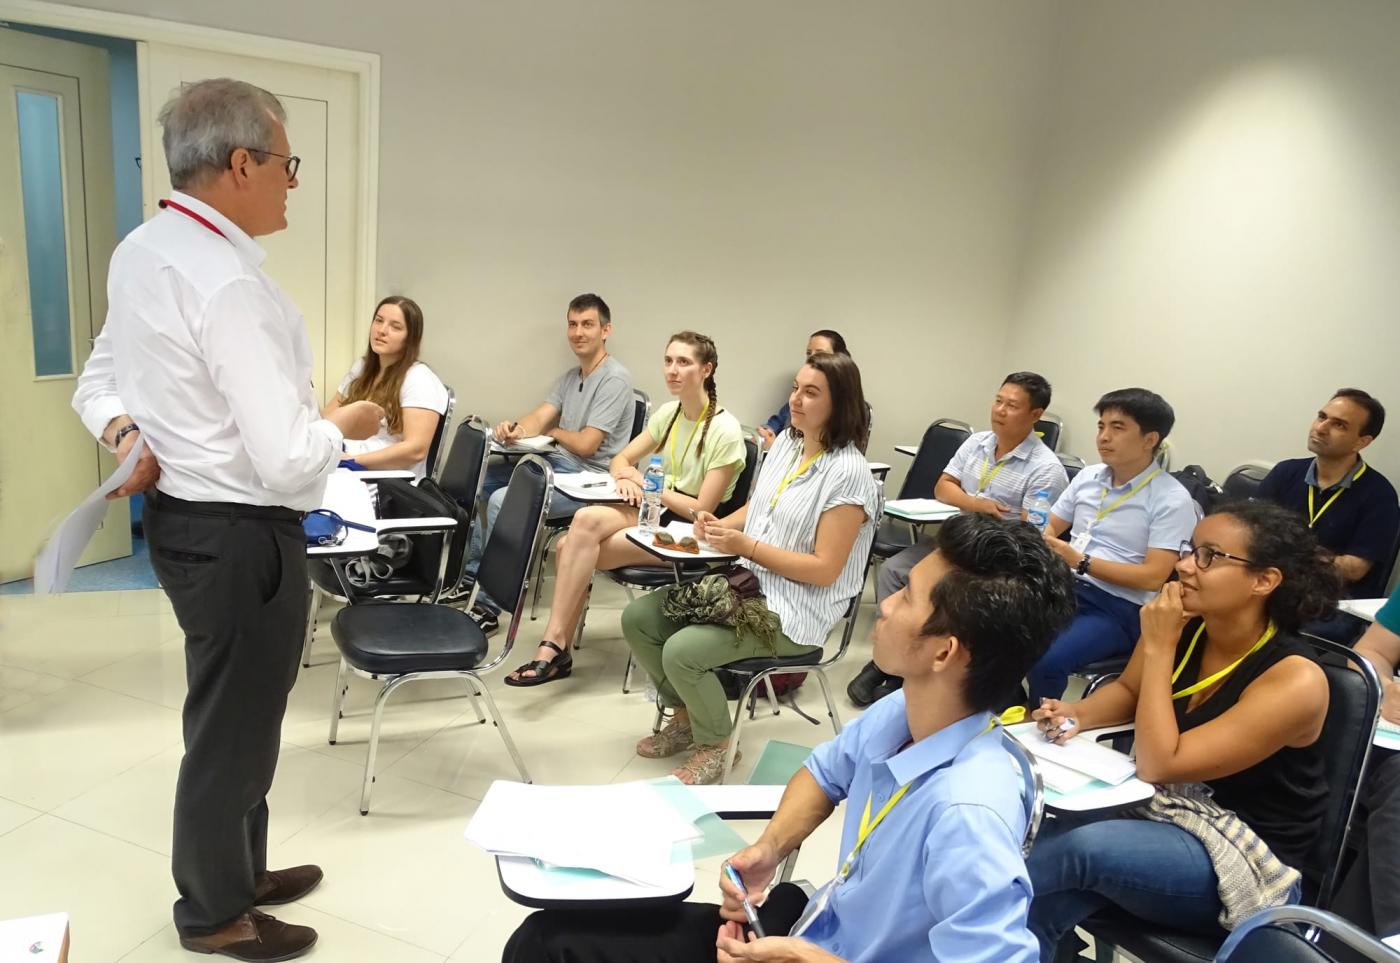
column 364, row 65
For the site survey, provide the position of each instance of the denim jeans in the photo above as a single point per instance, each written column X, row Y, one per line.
column 493, row 491
column 1104, row 626
column 1155, row 871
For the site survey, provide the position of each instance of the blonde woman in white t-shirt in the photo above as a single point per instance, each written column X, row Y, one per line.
column 390, row 374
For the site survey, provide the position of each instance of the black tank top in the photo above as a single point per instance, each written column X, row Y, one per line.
column 1283, row 797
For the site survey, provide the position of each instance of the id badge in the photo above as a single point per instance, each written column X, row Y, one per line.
column 815, row 907
column 1080, row 542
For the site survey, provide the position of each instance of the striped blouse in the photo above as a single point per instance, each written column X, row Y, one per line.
column 842, row 477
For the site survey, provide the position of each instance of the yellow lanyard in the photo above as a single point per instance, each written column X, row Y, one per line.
column 1314, row 516
column 1105, row 512
column 987, row 475
column 1207, row 683
column 676, row 465
column 867, row 826
column 773, row 502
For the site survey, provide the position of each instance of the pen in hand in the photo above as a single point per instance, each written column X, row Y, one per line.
column 749, row 912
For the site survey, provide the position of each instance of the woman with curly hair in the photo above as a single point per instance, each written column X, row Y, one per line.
column 1229, row 704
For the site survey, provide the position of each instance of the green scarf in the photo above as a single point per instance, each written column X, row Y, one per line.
column 712, row 601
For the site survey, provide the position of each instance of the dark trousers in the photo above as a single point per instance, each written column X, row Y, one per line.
column 681, row 933
column 1370, row 891
column 236, row 578
column 1104, row 626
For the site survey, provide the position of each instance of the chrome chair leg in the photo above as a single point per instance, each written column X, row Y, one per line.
column 476, row 706
column 500, row 726
column 379, row 703
column 627, row 675
column 338, row 700
column 830, row 703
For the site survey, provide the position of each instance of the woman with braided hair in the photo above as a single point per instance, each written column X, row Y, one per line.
column 702, row 451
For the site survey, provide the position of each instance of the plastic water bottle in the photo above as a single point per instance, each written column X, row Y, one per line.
column 649, row 518
column 1038, row 511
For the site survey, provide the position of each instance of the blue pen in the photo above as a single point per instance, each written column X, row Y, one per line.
column 749, row 912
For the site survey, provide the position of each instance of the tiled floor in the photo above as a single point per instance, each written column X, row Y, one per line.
column 90, row 690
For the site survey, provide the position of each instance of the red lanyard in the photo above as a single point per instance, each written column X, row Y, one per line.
column 191, row 214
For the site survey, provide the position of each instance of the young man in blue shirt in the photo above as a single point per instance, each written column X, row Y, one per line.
column 937, row 874
column 1350, row 506
column 1127, row 519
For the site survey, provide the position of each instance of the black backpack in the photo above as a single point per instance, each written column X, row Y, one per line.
column 1195, row 480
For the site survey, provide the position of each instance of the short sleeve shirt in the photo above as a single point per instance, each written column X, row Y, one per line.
column 421, row 389
column 603, row 401
column 1161, row 514
column 1389, row 614
column 685, row 460
column 789, row 521
column 1362, row 521
column 1028, row 468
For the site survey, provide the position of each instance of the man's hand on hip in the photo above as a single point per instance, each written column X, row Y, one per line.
column 357, row 420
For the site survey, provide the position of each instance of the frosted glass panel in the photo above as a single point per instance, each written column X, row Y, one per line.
column 41, row 179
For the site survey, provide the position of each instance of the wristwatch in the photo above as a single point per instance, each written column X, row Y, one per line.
column 122, row 432
column 1083, row 567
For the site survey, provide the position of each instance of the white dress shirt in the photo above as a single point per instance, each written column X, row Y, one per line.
column 208, row 355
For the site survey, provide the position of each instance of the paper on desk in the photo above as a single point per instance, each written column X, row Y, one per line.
column 1062, row 779
column 1387, row 734
column 531, row 443
column 590, row 484
column 930, row 507
column 1081, row 754
column 54, row 565
column 38, row 938
column 626, row 830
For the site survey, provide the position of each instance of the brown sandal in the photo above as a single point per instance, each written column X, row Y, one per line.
column 546, row 670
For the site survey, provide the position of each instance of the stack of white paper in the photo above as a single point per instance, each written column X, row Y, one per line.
column 924, row 507
column 532, row 443
column 626, row 830
column 1079, row 755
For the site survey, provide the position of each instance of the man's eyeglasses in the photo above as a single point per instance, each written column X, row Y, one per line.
column 1205, row 555
column 293, row 163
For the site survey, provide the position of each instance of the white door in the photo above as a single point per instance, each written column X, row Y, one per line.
column 57, row 232
column 315, row 258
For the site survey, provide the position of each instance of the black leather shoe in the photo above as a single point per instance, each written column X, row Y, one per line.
column 871, row 684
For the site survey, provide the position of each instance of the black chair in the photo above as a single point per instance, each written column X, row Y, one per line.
column 461, row 476
column 560, row 518
column 1073, row 464
column 1347, row 733
column 1245, row 480
column 1049, row 428
column 398, row 644
column 940, row 443
column 1300, row 934
column 439, row 433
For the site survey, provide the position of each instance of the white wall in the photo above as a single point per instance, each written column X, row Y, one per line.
column 751, row 170
column 1217, row 217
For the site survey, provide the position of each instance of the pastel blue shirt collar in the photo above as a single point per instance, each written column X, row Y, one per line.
column 1106, row 477
column 1310, row 478
column 931, row 752
column 1021, row 452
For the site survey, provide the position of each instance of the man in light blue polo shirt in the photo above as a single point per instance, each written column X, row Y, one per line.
column 937, row 872
column 1127, row 519
column 994, row 472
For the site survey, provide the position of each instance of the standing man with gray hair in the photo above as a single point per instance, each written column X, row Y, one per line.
column 205, row 357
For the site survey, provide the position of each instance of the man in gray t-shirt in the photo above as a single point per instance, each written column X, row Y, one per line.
column 589, row 414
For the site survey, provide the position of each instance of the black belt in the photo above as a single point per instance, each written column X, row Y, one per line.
column 229, row 510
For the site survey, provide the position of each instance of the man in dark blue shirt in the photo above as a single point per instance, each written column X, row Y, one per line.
column 1350, row 506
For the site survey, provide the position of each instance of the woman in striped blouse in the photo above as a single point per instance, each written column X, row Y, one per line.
column 805, row 534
